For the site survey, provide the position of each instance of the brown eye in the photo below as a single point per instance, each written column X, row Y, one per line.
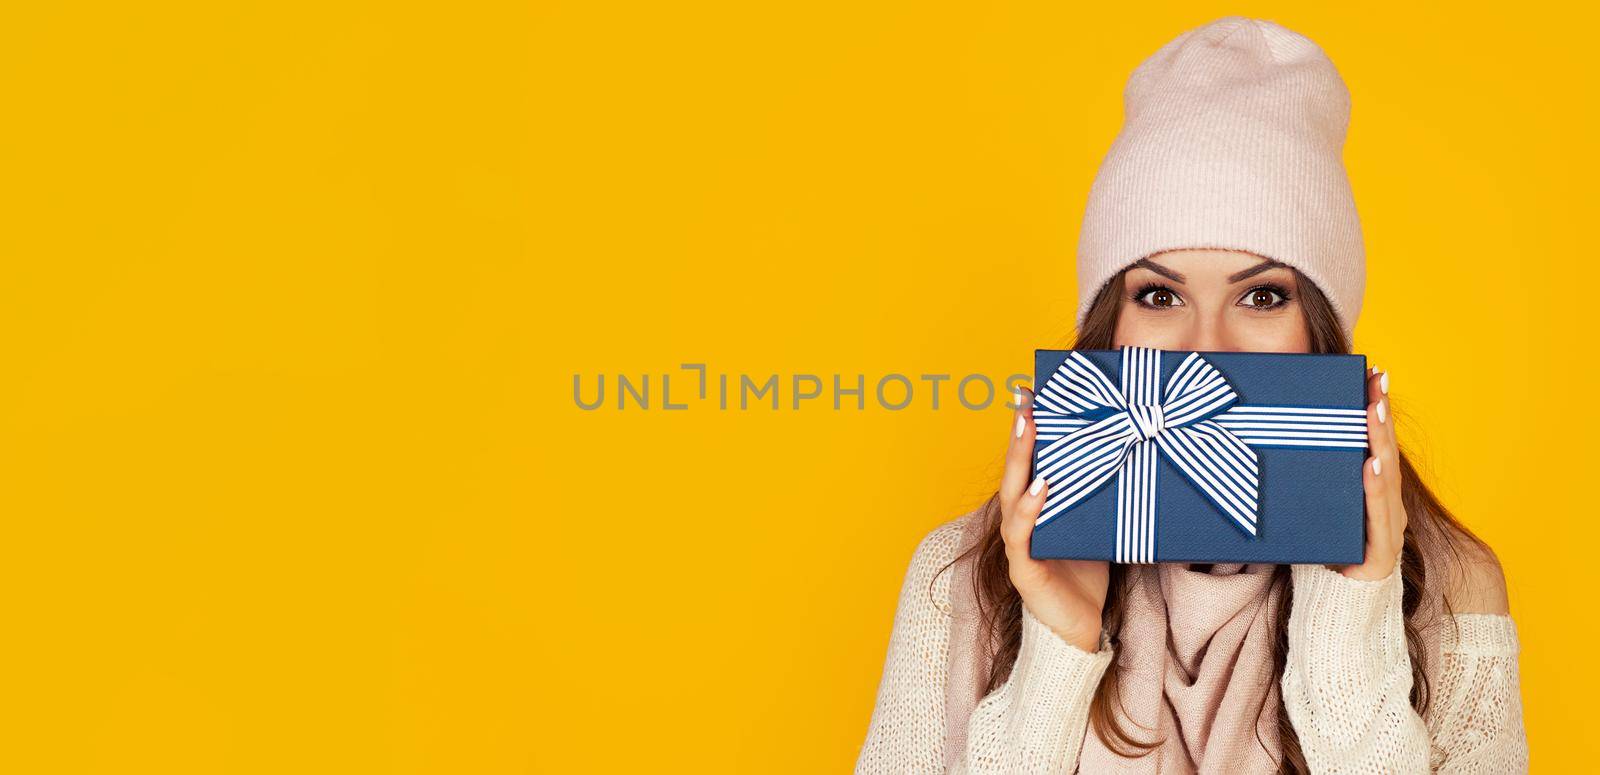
column 1262, row 298
column 1158, row 297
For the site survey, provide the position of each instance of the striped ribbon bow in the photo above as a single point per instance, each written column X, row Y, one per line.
column 1093, row 430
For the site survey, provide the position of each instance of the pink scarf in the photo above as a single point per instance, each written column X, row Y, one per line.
column 1195, row 656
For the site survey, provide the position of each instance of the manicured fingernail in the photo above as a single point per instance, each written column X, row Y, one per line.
column 1383, row 413
column 1377, row 466
column 1038, row 484
column 1021, row 423
column 1373, row 370
column 1383, row 383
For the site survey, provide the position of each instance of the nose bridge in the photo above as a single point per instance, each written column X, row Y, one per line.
column 1208, row 331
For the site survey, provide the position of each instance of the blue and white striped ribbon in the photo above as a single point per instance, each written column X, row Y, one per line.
column 1093, row 430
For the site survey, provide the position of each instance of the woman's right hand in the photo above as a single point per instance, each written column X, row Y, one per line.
column 1066, row 595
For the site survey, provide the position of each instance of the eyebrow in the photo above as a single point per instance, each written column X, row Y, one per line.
column 1232, row 278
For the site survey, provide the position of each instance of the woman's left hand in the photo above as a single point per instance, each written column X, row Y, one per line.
column 1386, row 513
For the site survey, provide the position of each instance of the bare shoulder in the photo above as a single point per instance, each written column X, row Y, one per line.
column 1477, row 582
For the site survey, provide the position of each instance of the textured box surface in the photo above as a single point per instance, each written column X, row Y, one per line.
column 1309, row 499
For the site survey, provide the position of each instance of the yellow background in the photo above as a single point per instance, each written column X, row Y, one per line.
column 295, row 294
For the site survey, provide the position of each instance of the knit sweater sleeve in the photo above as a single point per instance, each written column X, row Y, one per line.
column 1477, row 725
column 1347, row 684
column 1033, row 723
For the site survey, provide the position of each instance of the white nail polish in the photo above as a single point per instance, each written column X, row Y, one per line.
column 1383, row 383
column 1383, row 413
column 1038, row 484
column 1021, row 424
column 1377, row 466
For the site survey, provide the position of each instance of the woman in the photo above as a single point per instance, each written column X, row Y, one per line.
column 1220, row 220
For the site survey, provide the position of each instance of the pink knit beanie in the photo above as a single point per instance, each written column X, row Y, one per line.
column 1232, row 137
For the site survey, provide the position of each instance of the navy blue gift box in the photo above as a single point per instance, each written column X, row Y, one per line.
column 1177, row 456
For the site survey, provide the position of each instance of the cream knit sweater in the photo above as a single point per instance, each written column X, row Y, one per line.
column 1345, row 685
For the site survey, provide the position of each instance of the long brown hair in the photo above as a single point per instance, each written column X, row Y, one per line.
column 1430, row 528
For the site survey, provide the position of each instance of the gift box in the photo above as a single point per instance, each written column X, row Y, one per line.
column 1180, row 456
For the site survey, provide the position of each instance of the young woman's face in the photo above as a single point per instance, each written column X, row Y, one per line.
column 1221, row 300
